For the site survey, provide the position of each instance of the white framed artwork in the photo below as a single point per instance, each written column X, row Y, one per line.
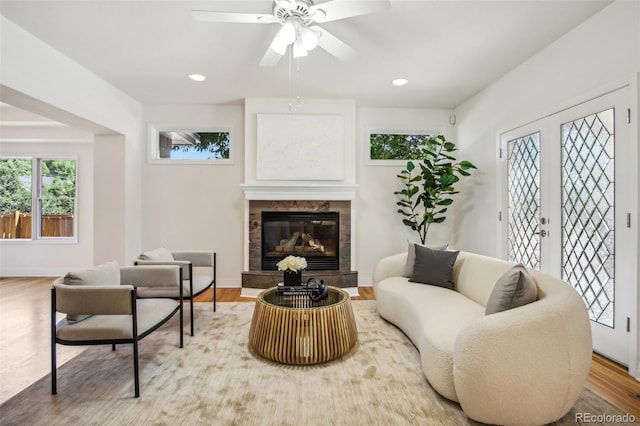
column 300, row 147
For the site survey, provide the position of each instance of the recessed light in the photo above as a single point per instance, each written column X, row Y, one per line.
column 197, row 77
column 399, row 81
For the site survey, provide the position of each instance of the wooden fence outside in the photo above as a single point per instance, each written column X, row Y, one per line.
column 18, row 225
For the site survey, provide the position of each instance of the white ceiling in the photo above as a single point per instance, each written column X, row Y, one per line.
column 448, row 49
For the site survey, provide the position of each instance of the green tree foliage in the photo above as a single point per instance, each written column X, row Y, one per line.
column 58, row 186
column 215, row 143
column 15, row 185
column 429, row 185
column 397, row 147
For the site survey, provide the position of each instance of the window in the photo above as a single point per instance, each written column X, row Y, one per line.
column 53, row 195
column 191, row 146
column 393, row 148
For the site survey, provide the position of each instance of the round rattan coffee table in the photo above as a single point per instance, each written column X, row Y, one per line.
column 295, row 330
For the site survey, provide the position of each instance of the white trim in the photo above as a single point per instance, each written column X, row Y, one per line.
column 229, row 283
column 303, row 191
column 47, row 140
column 153, row 134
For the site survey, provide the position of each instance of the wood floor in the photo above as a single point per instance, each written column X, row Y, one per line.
column 25, row 343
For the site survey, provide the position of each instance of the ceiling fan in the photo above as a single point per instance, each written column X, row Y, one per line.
column 298, row 29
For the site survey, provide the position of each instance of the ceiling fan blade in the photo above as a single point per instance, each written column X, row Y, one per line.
column 242, row 18
column 287, row 4
column 270, row 58
column 340, row 9
column 334, row 45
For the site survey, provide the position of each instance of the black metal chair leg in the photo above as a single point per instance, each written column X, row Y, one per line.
column 54, row 366
column 191, row 313
column 214, row 281
column 135, row 369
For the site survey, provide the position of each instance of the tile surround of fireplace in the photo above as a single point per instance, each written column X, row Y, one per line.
column 339, row 198
column 257, row 207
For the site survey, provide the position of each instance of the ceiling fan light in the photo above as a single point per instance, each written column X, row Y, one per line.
column 298, row 49
column 278, row 45
column 309, row 39
column 288, row 32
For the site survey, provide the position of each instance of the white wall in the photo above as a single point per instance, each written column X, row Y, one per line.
column 201, row 206
column 601, row 52
column 38, row 78
column 42, row 258
column 380, row 230
column 196, row 206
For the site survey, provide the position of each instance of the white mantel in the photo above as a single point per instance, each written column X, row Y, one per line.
column 301, row 191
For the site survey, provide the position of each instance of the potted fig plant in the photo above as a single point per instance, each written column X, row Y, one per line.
column 428, row 185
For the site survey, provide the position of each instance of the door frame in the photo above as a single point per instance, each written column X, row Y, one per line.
column 633, row 83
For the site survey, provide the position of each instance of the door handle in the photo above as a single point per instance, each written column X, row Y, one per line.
column 542, row 233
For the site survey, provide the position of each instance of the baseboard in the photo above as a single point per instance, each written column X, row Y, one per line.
column 39, row 272
column 229, row 283
column 365, row 281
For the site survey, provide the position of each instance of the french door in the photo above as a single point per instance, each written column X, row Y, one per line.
column 569, row 193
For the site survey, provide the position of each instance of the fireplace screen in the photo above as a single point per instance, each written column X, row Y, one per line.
column 312, row 235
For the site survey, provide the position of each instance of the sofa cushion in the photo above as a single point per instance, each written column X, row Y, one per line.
column 434, row 267
column 161, row 254
column 105, row 274
column 514, row 288
column 411, row 256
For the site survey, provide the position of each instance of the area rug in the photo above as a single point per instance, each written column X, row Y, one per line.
column 217, row 380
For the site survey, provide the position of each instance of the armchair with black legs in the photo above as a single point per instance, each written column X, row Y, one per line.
column 198, row 269
column 101, row 307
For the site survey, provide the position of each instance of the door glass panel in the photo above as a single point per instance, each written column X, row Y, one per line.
column 523, row 186
column 588, row 212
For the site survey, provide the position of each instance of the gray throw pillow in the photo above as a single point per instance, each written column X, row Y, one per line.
column 514, row 288
column 411, row 256
column 159, row 255
column 434, row 267
column 105, row 274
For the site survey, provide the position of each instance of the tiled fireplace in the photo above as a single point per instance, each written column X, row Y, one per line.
column 342, row 249
column 340, row 201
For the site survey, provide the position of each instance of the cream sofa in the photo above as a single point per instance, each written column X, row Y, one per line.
column 526, row 365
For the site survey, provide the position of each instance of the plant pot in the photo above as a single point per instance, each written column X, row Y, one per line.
column 292, row 278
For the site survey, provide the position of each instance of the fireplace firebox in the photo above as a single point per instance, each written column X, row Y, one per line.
column 312, row 235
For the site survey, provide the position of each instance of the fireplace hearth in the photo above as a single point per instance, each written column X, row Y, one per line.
column 312, row 235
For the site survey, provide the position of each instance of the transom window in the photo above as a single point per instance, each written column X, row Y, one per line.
column 190, row 146
column 391, row 148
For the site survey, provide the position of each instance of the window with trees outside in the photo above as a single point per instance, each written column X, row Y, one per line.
column 37, row 198
column 397, row 147
column 184, row 146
